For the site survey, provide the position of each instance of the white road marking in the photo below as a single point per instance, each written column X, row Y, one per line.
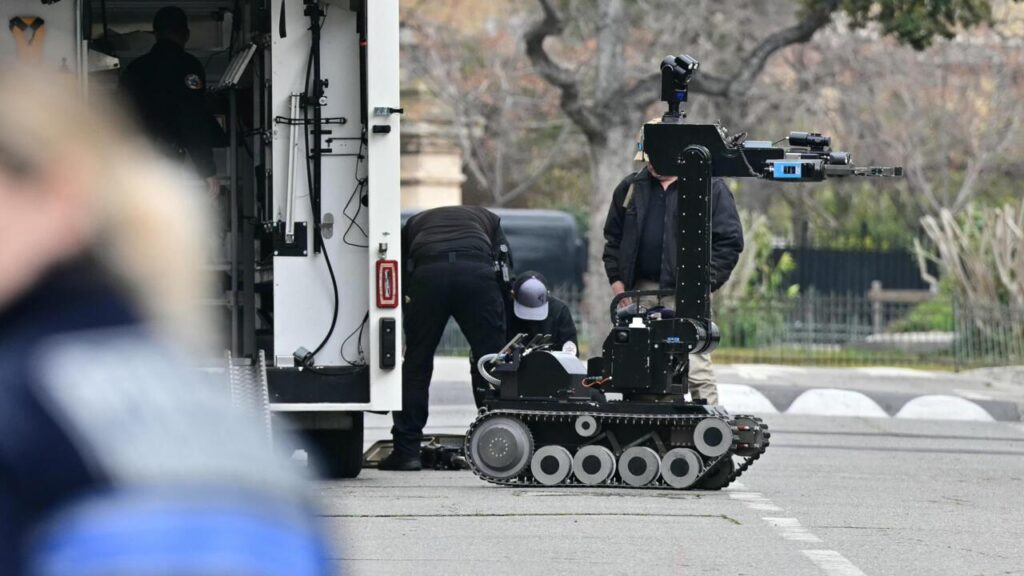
column 763, row 507
column 741, row 399
column 890, row 372
column 755, row 501
column 943, row 407
column 791, row 529
column 971, row 394
column 747, row 496
column 833, row 563
column 835, row 402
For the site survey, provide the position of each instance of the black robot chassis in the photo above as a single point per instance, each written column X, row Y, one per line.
column 630, row 445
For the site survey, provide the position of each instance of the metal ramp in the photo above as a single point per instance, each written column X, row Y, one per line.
column 437, row 452
column 247, row 379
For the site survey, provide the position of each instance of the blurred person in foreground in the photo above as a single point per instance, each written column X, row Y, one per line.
column 535, row 311
column 115, row 457
column 640, row 248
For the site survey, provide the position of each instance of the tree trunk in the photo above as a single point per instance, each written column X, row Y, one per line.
column 611, row 159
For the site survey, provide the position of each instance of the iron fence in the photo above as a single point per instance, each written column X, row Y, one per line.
column 834, row 330
column 845, row 330
column 988, row 336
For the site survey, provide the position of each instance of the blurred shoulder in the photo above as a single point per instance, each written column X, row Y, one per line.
column 719, row 186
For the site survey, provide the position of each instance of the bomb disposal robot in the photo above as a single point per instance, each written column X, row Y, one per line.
column 548, row 420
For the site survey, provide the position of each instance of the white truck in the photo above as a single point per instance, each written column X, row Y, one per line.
column 308, row 94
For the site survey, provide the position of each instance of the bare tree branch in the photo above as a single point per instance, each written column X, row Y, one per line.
column 816, row 18
column 549, row 161
column 740, row 83
column 611, row 38
column 557, row 75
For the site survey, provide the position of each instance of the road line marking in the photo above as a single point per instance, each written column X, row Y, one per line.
column 755, row 501
column 833, row 563
column 791, row 529
column 765, row 507
column 747, row 496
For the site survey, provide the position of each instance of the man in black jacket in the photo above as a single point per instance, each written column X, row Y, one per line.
column 640, row 246
column 535, row 311
column 167, row 87
column 450, row 253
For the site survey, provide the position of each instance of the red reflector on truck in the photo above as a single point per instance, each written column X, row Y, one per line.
column 387, row 284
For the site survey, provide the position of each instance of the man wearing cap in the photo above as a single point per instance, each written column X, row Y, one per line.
column 450, row 255
column 640, row 246
column 168, row 89
column 535, row 311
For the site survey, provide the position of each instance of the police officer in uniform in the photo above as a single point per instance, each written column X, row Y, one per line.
column 452, row 253
column 168, row 88
column 535, row 311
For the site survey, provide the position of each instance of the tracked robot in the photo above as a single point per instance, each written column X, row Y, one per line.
column 622, row 419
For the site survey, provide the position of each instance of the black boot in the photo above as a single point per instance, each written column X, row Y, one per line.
column 400, row 462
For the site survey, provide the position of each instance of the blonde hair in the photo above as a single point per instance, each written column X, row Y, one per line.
column 150, row 227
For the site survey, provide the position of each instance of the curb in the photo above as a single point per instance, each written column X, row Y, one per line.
column 451, row 385
column 770, row 399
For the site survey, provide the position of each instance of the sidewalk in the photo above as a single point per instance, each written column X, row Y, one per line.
column 980, row 395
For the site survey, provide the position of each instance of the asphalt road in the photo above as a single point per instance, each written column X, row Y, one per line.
column 833, row 496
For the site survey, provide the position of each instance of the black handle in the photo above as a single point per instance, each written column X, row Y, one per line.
column 614, row 307
column 282, row 29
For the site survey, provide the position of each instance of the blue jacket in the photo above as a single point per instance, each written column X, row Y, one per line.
column 105, row 430
column 40, row 467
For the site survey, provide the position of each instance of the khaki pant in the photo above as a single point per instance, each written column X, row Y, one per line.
column 702, row 377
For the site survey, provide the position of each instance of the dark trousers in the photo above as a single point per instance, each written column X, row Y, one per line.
column 465, row 290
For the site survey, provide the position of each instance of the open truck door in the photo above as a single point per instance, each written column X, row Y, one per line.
column 336, row 228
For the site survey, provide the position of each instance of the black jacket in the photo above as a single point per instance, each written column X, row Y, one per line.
column 558, row 324
column 41, row 467
column 469, row 229
column 93, row 404
column 168, row 89
column 624, row 222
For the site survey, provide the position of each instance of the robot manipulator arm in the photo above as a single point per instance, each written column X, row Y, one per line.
column 810, row 158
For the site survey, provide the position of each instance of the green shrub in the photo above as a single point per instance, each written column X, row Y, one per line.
column 935, row 314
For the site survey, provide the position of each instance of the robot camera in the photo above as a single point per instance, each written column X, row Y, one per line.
column 676, row 73
column 680, row 69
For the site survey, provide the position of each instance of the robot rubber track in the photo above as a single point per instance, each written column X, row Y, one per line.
column 645, row 447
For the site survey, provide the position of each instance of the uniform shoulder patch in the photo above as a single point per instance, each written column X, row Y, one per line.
column 193, row 81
